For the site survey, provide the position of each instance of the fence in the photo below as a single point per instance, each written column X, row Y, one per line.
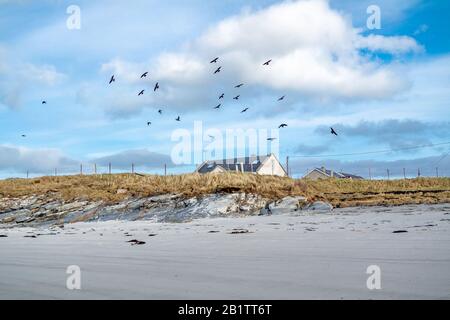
column 93, row 169
column 397, row 172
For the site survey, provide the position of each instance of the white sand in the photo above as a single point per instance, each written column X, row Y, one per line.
column 279, row 260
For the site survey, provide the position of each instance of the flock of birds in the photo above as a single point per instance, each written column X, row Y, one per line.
column 221, row 96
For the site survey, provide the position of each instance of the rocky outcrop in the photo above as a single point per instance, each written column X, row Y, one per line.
column 50, row 209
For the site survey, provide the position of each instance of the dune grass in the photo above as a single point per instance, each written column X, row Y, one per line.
column 340, row 193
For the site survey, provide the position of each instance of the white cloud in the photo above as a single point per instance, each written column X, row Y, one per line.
column 42, row 74
column 17, row 77
column 394, row 45
column 20, row 159
column 316, row 52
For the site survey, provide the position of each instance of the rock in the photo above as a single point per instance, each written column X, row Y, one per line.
column 8, row 220
column 122, row 191
column 285, row 205
column 319, row 206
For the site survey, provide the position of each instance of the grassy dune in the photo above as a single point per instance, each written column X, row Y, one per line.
column 340, row 193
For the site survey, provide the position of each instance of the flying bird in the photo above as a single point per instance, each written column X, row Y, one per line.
column 239, row 85
column 144, row 75
column 245, row 110
column 271, row 139
column 218, row 107
column 112, row 79
column 211, row 137
column 214, row 60
column 282, row 98
column 333, row 132
column 178, row 119
column 218, row 70
column 160, row 111
column 237, row 97
column 149, row 123
column 267, row 63
column 44, row 102
column 141, row 93
column 222, row 96
column 156, row 86
column 24, row 136
column 283, row 125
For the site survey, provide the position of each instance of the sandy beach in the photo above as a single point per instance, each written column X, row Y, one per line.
column 301, row 256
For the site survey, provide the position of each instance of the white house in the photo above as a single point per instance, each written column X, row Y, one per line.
column 263, row 165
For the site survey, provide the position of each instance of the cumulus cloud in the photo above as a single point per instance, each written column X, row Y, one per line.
column 140, row 158
column 15, row 76
column 19, row 159
column 315, row 50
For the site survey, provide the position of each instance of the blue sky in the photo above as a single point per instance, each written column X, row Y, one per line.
column 381, row 89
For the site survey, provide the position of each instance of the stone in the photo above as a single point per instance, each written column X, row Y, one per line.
column 286, row 205
column 122, row 191
column 319, row 206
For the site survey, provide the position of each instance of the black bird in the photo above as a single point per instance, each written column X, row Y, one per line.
column 271, row 139
column 237, row 97
column 222, row 96
column 218, row 107
column 44, row 102
column 149, row 123
column 144, row 75
column 267, row 63
column 178, row 119
column 245, row 110
column 283, row 125
column 218, row 70
column 239, row 85
column 333, row 132
column 282, row 98
column 112, row 79
column 156, row 86
column 24, row 136
column 160, row 111
column 141, row 93
column 214, row 60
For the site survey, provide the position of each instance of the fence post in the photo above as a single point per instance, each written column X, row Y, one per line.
column 56, row 172
column 27, row 173
column 404, row 173
column 81, row 169
column 437, row 172
column 388, row 174
column 109, row 168
column 370, row 174
column 95, row 168
column 418, row 173
column 132, row 168
column 165, row 169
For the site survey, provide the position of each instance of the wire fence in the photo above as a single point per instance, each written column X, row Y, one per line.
column 102, row 169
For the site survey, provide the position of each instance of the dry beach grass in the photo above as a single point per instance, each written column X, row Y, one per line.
column 340, row 193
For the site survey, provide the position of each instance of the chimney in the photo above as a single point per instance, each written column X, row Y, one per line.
column 323, row 169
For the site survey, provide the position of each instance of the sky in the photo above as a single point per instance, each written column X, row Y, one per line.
column 384, row 90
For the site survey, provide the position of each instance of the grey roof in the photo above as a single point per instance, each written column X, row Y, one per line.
column 335, row 174
column 250, row 164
